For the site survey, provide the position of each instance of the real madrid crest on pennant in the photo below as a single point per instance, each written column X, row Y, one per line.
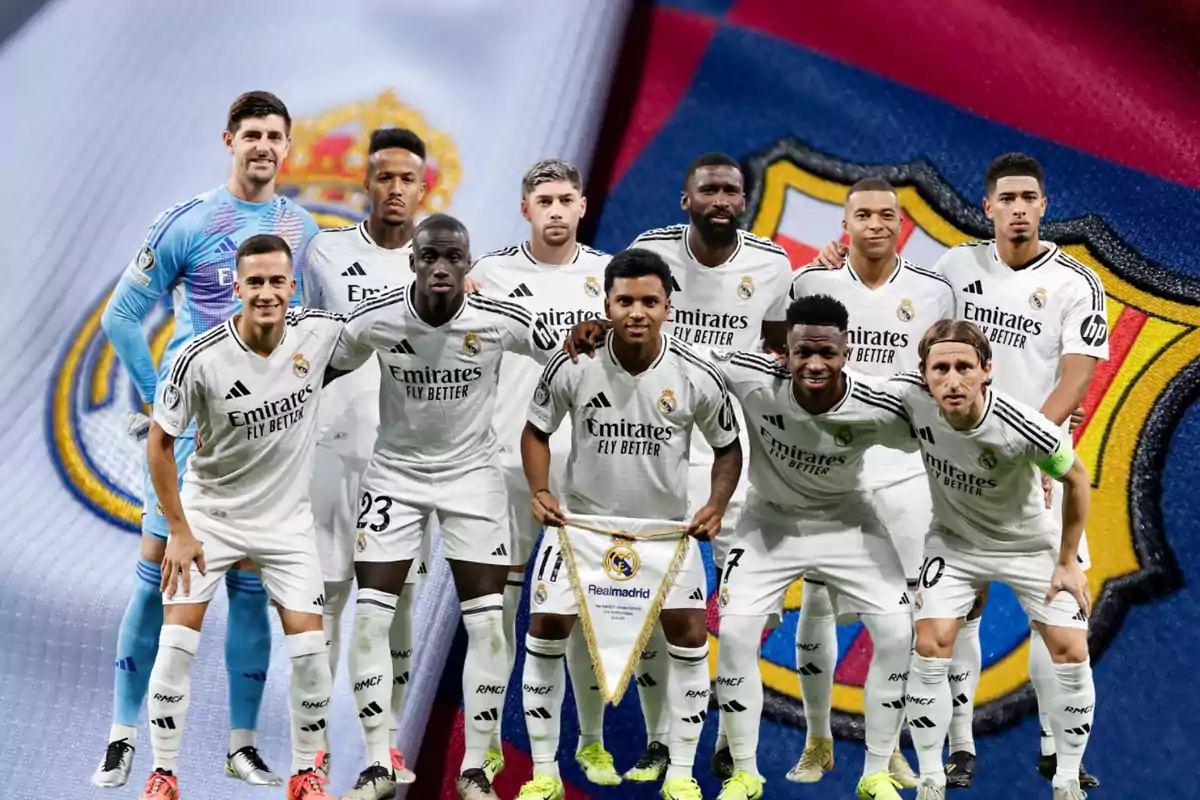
column 666, row 401
column 470, row 344
column 592, row 286
column 745, row 289
column 300, row 365
column 987, row 458
column 621, row 562
column 905, row 310
column 1037, row 300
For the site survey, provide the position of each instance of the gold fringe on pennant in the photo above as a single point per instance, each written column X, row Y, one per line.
column 589, row 633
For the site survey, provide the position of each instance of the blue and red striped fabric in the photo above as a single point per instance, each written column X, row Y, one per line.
column 933, row 91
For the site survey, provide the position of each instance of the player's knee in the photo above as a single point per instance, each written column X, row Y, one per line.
column 188, row 615
column 684, row 627
column 152, row 548
column 550, row 626
column 1066, row 645
column 516, row 571
column 935, row 637
column 980, row 601
column 294, row 622
column 816, row 600
column 891, row 636
column 245, row 565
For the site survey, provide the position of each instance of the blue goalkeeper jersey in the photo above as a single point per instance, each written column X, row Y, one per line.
column 189, row 252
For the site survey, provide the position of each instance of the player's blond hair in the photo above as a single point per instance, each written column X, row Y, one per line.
column 550, row 170
column 959, row 331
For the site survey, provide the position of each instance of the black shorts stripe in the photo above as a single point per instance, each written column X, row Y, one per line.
column 194, row 348
column 1025, row 426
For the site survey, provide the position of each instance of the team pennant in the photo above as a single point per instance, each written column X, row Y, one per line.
column 621, row 570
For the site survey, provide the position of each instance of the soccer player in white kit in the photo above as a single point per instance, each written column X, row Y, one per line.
column 891, row 303
column 561, row 281
column 346, row 266
column 730, row 291
column 807, row 513
column 440, row 350
column 652, row 390
column 1045, row 315
column 251, row 384
column 983, row 450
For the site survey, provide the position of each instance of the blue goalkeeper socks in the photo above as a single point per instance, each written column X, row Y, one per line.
column 137, row 644
column 247, row 647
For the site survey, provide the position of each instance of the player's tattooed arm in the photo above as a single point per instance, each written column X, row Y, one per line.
column 726, row 471
column 182, row 547
column 583, row 337
column 535, row 458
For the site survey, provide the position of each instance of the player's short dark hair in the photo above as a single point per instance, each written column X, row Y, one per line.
column 550, row 170
column 256, row 105
column 1013, row 165
column 710, row 160
column 260, row 244
column 442, row 222
column 871, row 183
column 398, row 138
column 818, row 310
column 955, row 330
column 637, row 262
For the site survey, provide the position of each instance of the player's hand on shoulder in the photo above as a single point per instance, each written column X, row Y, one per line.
column 832, row 255
column 137, row 425
column 471, row 286
column 182, row 550
column 706, row 524
column 583, row 337
column 547, row 510
column 1069, row 578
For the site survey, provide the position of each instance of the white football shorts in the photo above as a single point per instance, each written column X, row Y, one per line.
column 774, row 546
column 525, row 527
column 907, row 512
column 952, row 576
column 287, row 561
column 470, row 507
column 551, row 592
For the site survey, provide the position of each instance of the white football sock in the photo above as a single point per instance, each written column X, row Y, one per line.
column 311, row 687
column 883, row 695
column 371, row 670
column 239, row 738
column 589, row 704
column 400, row 644
column 687, row 699
column 652, row 672
column 1041, row 676
column 484, row 675
column 1071, row 714
column 816, row 657
column 965, row 666
column 512, row 604
column 740, row 689
column 927, row 701
column 167, row 696
column 337, row 593
column 543, row 686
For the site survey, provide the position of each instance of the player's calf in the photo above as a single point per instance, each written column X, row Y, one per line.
column 927, row 695
column 883, row 697
column 740, row 690
column 1073, row 708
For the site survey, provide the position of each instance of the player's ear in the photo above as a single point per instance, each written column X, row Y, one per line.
column 1042, row 207
column 582, row 206
column 525, row 209
column 606, row 311
column 683, row 201
column 227, row 139
column 412, row 261
column 987, row 207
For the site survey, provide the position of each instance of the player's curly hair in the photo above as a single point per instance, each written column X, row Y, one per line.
column 818, row 309
column 1013, row 165
column 550, row 170
column 398, row 138
column 959, row 331
column 637, row 262
column 256, row 105
column 710, row 160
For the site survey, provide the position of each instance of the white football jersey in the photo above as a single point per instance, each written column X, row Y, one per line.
column 561, row 295
column 631, row 433
column 437, row 392
column 256, row 422
column 1033, row 316
column 722, row 306
column 344, row 267
column 809, row 462
column 984, row 481
column 886, row 326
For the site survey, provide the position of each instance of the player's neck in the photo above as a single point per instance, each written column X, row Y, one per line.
column 250, row 192
column 1018, row 254
column 636, row 357
column 557, row 255
column 969, row 418
column 436, row 309
column 389, row 237
column 262, row 339
column 820, row 402
column 874, row 272
column 709, row 255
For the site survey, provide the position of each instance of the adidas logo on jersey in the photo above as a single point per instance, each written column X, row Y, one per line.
column 239, row 390
column 599, row 401
column 926, row 433
column 227, row 245
column 354, row 270
column 521, row 291
column 696, row 595
column 974, row 288
column 500, row 551
column 774, row 419
column 404, row 348
column 675, row 285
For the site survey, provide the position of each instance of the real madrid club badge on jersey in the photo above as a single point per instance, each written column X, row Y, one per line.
column 620, row 579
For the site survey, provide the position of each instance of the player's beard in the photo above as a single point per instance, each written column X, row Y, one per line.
column 715, row 236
